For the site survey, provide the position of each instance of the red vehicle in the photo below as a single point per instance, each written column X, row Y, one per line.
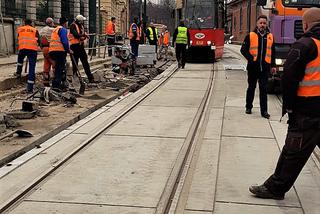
column 206, row 30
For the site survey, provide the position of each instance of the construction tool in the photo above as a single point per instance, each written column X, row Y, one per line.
column 82, row 84
column 19, row 132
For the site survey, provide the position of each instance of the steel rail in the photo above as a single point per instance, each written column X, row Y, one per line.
column 171, row 195
column 115, row 118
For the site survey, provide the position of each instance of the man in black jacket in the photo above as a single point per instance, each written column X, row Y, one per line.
column 301, row 100
column 258, row 48
column 77, row 36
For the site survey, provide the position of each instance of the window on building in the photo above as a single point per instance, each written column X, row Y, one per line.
column 241, row 21
column 42, row 10
column 65, row 9
column 14, row 9
column 82, row 7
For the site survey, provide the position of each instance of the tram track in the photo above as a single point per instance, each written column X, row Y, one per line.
column 13, row 200
column 175, row 194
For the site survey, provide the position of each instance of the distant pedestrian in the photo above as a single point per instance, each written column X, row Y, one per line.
column 134, row 36
column 164, row 42
column 48, row 63
column 258, row 48
column 152, row 35
column 111, row 34
column 77, row 36
column 301, row 100
column 28, row 41
column 58, row 49
column 181, row 40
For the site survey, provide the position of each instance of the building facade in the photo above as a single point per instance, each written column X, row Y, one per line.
column 118, row 9
column 241, row 17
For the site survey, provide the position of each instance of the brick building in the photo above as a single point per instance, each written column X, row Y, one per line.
column 241, row 17
column 118, row 9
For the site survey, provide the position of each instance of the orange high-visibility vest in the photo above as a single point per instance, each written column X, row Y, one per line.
column 27, row 38
column 110, row 28
column 254, row 43
column 166, row 38
column 310, row 85
column 71, row 38
column 56, row 44
column 138, row 32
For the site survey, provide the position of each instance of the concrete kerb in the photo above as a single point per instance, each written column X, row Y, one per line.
column 67, row 124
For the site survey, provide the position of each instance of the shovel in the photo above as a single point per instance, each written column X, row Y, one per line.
column 82, row 84
column 19, row 132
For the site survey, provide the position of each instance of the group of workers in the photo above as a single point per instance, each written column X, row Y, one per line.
column 301, row 97
column 56, row 43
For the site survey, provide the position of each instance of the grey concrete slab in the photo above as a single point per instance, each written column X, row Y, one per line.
column 196, row 212
column 128, row 171
column 195, row 74
column 229, row 208
column 197, row 66
column 235, row 87
column 218, row 99
column 219, row 75
column 237, row 123
column 236, row 75
column 35, row 207
column 214, row 126
column 156, row 121
column 187, row 84
column 183, row 98
column 202, row 191
column 245, row 162
column 274, row 108
column 31, row 170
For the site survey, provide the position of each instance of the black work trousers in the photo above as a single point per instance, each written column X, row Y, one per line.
column 80, row 53
column 111, row 41
column 60, row 58
column 181, row 54
column 302, row 138
column 255, row 76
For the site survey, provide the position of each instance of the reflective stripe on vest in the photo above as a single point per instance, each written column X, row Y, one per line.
column 110, row 28
column 131, row 35
column 151, row 33
column 182, row 36
column 254, row 43
column 56, row 44
column 310, row 85
column 71, row 38
column 27, row 38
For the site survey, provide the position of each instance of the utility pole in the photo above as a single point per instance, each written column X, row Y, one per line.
column 140, row 10
column 145, row 16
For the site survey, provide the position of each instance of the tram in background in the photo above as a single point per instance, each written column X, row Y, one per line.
column 285, row 18
column 204, row 19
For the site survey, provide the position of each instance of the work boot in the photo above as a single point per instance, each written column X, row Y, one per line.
column 265, row 115
column 263, row 192
column 30, row 88
column 248, row 111
column 17, row 74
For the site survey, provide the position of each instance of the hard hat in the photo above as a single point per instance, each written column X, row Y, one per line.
column 49, row 20
column 80, row 18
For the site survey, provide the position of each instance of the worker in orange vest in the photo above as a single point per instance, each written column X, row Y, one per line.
column 301, row 100
column 45, row 34
column 28, row 42
column 258, row 48
column 77, row 36
column 134, row 36
column 58, row 49
column 111, row 34
column 164, row 43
